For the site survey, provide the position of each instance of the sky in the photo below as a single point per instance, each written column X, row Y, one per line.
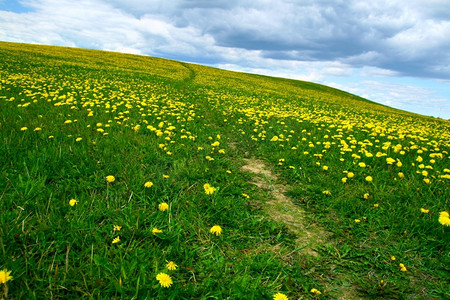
column 395, row 52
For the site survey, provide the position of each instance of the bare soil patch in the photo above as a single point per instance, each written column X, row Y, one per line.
column 282, row 209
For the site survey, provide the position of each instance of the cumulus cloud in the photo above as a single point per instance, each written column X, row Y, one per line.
column 410, row 40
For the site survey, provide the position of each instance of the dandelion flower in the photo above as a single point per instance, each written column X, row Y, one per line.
column 164, row 280
column 215, row 144
column 393, row 257
column 316, row 291
column 326, row 192
column 4, row 276
column 375, row 205
column 116, row 240
column 148, row 184
column 165, row 176
column 73, row 202
column 208, row 189
column 280, row 296
column 24, row 128
column 344, row 179
column 216, row 229
column 117, row 228
column 171, row 266
column 369, row 178
column 357, row 220
column 366, row 196
column 110, row 178
column 163, row 206
column 444, row 218
column 403, row 268
column 38, row 129
column 362, row 165
column 156, row 230
column 401, row 175
column 78, row 139
column 350, row 174
column 425, row 211
column 390, row 161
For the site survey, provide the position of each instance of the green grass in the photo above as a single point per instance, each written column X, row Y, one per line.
column 140, row 118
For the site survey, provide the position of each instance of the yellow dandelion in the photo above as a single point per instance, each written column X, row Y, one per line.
column 326, row 192
column 215, row 144
column 165, row 176
column 425, row 211
column 78, row 139
column 350, row 174
column 344, row 179
column 38, row 129
column 116, row 240
column 315, row 291
column 403, row 268
column 148, row 184
column 357, row 220
column 401, row 175
column 156, row 230
column 164, row 280
column 216, row 229
column 369, row 178
column 393, row 258
column 246, row 196
column 24, row 128
column 117, row 228
column 73, row 202
column 280, row 296
column 5, row 276
column 163, row 206
column 110, row 178
column 208, row 189
column 375, row 205
column 366, row 196
column 444, row 218
column 390, row 161
column 171, row 266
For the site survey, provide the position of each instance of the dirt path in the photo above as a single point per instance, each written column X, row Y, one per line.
column 282, row 209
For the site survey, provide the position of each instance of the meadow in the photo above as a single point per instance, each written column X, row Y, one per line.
column 126, row 177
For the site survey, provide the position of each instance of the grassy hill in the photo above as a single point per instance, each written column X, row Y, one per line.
column 135, row 177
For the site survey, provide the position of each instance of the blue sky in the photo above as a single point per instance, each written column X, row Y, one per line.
column 394, row 52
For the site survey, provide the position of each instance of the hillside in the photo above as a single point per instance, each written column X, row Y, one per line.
column 128, row 176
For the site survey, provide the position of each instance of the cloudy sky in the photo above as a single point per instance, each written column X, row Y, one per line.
column 396, row 52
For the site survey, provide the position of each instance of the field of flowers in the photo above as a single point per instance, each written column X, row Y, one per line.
column 121, row 177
